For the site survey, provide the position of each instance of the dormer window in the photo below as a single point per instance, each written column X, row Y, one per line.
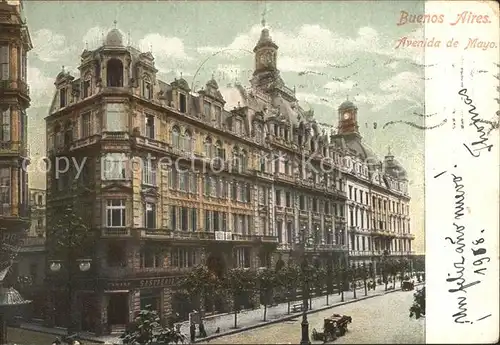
column 206, row 109
column 218, row 115
column 115, row 73
column 182, row 103
column 147, row 88
column 62, row 98
column 276, row 130
column 285, row 133
column 237, row 126
column 87, row 87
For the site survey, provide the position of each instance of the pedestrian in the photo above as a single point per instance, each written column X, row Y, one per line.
column 201, row 327
column 192, row 330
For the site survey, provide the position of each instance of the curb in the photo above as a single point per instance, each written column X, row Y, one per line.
column 55, row 334
column 295, row 315
column 285, row 318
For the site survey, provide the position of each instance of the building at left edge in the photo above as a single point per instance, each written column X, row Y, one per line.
column 15, row 43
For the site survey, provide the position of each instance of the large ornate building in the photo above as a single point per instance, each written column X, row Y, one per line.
column 378, row 217
column 14, row 100
column 172, row 178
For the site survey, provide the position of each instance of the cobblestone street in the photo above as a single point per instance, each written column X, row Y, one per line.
column 379, row 320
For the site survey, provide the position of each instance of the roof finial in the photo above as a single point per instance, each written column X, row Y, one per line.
column 389, row 150
column 63, row 68
column 347, row 96
column 114, row 23
column 264, row 12
column 128, row 38
column 151, row 47
column 181, row 75
column 213, row 75
column 86, row 45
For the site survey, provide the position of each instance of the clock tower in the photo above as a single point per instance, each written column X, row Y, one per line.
column 266, row 52
column 348, row 118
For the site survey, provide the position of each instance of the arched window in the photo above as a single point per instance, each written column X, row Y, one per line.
column 114, row 73
column 147, row 87
column 236, row 157
column 220, row 152
column 208, row 147
column 87, row 86
column 176, row 138
column 243, row 158
column 188, row 141
column 263, row 163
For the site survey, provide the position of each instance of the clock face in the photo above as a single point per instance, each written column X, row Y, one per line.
column 266, row 58
column 347, row 116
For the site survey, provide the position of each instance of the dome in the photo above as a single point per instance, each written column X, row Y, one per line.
column 347, row 105
column 114, row 38
column 181, row 84
column 10, row 297
column 212, row 83
column 265, row 40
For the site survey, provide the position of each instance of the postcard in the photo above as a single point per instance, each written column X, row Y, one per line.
column 249, row 172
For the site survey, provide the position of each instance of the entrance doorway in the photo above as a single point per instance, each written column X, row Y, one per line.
column 118, row 309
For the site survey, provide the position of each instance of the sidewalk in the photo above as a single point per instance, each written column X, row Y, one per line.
column 247, row 319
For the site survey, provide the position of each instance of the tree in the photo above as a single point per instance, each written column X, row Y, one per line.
column 287, row 278
column 239, row 281
column 364, row 275
column 329, row 280
column 267, row 279
column 418, row 307
column 69, row 238
column 146, row 329
column 199, row 283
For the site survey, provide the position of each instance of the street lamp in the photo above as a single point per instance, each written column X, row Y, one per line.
column 83, row 265
column 301, row 242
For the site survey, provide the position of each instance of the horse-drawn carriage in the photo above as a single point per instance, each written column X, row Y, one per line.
column 407, row 285
column 334, row 326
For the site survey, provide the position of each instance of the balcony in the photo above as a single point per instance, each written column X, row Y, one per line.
column 288, row 209
column 264, row 175
column 115, row 136
column 279, row 208
column 162, row 234
column 151, row 143
column 316, row 215
column 13, row 148
column 115, row 232
column 84, row 142
column 255, row 238
column 361, row 253
column 283, row 177
column 303, row 213
column 14, row 85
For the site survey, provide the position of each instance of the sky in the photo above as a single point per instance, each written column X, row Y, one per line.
column 329, row 51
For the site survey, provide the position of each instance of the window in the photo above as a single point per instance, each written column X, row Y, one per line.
column 206, row 108
column 5, row 134
column 115, row 73
column 208, row 147
column 263, row 164
column 176, row 143
column 184, row 218
column 208, row 219
column 4, row 62
column 116, row 255
column 173, row 217
column 85, row 125
column 116, row 117
column 288, row 199
column 188, row 141
column 279, row 229
column 194, row 219
column 62, row 97
column 182, row 103
column 237, row 126
column 289, row 232
column 242, row 257
column 258, row 133
column 150, row 216
column 184, row 257
column 149, row 172
column 5, row 190
column 87, row 87
column 150, row 127
column 327, row 207
column 302, row 202
column 220, row 152
column 147, row 88
column 218, row 115
column 278, row 197
column 115, row 213
column 114, row 166
column 315, row 204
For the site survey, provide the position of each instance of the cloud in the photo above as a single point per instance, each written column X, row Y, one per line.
column 314, row 46
column 50, row 46
column 164, row 46
column 298, row 64
column 311, row 98
column 407, row 84
column 41, row 87
column 338, row 86
column 94, row 37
